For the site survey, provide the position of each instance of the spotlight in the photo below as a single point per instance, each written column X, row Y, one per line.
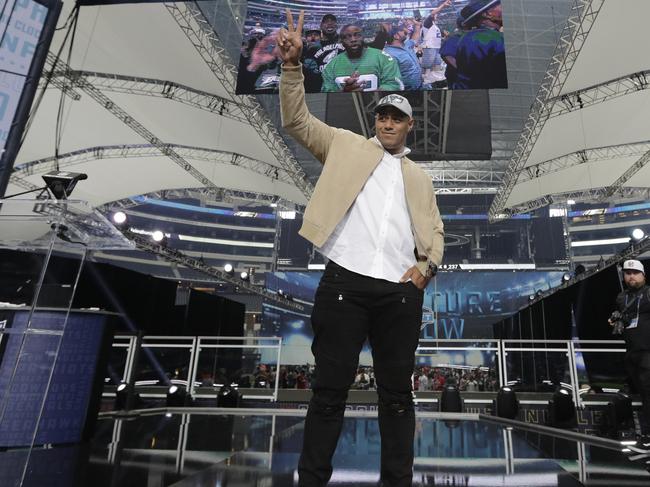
column 579, row 270
column 157, row 236
column 570, row 202
column 566, row 277
column 538, row 293
column 61, row 183
column 119, row 217
column 531, row 297
column 450, row 401
column 506, row 404
column 177, row 397
column 228, row 269
column 561, row 410
column 228, row 397
column 637, row 234
column 122, row 397
column 280, row 292
column 244, row 276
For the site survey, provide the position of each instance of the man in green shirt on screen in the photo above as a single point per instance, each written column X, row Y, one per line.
column 360, row 68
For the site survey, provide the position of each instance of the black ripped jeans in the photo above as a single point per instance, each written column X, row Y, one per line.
column 349, row 308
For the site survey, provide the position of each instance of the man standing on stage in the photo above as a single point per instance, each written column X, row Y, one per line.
column 634, row 305
column 373, row 213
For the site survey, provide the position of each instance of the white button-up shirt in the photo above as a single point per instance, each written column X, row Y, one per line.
column 375, row 238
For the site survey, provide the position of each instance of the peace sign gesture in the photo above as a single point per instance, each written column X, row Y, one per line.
column 290, row 41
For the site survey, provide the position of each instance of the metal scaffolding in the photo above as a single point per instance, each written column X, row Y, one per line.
column 225, row 195
column 580, row 22
column 57, row 65
column 178, row 257
column 207, row 43
column 582, row 157
column 133, row 85
column 149, row 150
column 578, row 100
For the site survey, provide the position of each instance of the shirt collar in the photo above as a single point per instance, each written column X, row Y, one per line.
column 405, row 152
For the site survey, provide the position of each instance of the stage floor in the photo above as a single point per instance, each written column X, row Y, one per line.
column 189, row 448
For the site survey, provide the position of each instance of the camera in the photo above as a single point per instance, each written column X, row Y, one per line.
column 618, row 322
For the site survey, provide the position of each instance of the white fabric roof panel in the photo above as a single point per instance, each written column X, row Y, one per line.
column 576, row 178
column 616, row 46
column 144, row 41
column 112, row 179
column 140, row 40
column 622, row 120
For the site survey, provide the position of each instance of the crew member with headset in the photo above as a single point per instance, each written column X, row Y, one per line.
column 633, row 319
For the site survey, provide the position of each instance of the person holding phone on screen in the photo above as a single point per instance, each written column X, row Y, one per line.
column 373, row 214
column 360, row 68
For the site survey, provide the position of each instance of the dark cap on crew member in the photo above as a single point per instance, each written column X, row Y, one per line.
column 397, row 101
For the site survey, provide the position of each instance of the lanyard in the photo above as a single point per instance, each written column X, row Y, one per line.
column 638, row 304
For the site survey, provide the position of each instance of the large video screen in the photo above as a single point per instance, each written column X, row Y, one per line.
column 378, row 46
column 26, row 29
column 460, row 304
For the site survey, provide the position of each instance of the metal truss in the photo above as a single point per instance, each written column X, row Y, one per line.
column 224, row 195
column 178, row 257
column 427, row 136
column 465, row 190
column 170, row 90
column 588, row 195
column 581, row 157
column 578, row 100
column 449, row 177
column 150, row 150
column 55, row 64
column 579, row 24
column 207, row 43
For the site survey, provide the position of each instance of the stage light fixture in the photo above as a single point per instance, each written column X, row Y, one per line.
column 228, row 269
column 177, row 397
column 570, row 202
column 506, row 404
column 119, row 217
column 579, row 270
column 228, row 396
column 531, row 297
column 157, row 236
column 61, row 183
column 450, row 401
column 561, row 410
column 566, row 277
column 122, row 397
column 619, row 413
column 638, row 234
column 244, row 276
column 538, row 293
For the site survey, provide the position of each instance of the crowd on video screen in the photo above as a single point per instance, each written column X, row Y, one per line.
column 445, row 44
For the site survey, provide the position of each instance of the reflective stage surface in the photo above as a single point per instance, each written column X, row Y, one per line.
column 260, row 449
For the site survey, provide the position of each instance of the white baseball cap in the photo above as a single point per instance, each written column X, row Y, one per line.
column 634, row 265
column 397, row 101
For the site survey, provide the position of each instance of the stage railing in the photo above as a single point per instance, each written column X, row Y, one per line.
column 195, row 362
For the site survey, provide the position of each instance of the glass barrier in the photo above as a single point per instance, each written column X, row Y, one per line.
column 251, row 363
column 474, row 365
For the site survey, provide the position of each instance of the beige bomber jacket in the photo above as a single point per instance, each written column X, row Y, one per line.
column 348, row 161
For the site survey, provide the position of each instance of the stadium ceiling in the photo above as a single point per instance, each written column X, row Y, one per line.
column 587, row 135
column 144, row 101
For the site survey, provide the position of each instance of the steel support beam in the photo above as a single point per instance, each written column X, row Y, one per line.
column 582, row 157
column 170, row 90
column 579, row 24
column 207, row 43
column 55, row 65
column 150, row 150
column 178, row 257
column 593, row 95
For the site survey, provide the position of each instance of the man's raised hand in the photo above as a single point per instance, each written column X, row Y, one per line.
column 290, row 40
